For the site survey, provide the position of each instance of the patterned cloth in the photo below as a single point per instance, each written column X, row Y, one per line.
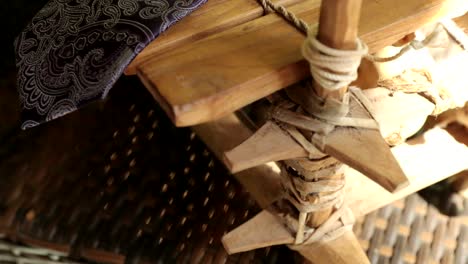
column 73, row 51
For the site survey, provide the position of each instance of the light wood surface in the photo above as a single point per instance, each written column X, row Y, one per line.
column 208, row 79
column 214, row 16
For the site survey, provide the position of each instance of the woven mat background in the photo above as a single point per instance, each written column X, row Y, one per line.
column 117, row 183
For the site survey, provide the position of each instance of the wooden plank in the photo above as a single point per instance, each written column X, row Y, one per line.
column 213, row 17
column 213, row 77
column 426, row 159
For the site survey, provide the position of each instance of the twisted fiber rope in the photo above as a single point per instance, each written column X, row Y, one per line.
column 269, row 6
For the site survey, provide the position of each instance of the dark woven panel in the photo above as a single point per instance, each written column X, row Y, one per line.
column 118, row 182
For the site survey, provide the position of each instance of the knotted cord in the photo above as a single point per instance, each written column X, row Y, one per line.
column 322, row 59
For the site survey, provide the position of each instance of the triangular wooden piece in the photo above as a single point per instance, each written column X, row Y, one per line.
column 362, row 149
column 366, row 151
column 263, row 230
column 269, row 143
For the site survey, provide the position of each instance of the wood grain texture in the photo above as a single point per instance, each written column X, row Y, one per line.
column 343, row 250
column 269, row 143
column 206, row 80
column 213, row 17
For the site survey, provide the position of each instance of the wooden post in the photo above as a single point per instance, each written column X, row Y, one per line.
column 339, row 23
column 338, row 26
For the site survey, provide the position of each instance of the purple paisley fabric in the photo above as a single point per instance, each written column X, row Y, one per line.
column 73, row 51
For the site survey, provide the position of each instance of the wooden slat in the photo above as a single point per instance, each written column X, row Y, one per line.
column 214, row 16
column 213, row 77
